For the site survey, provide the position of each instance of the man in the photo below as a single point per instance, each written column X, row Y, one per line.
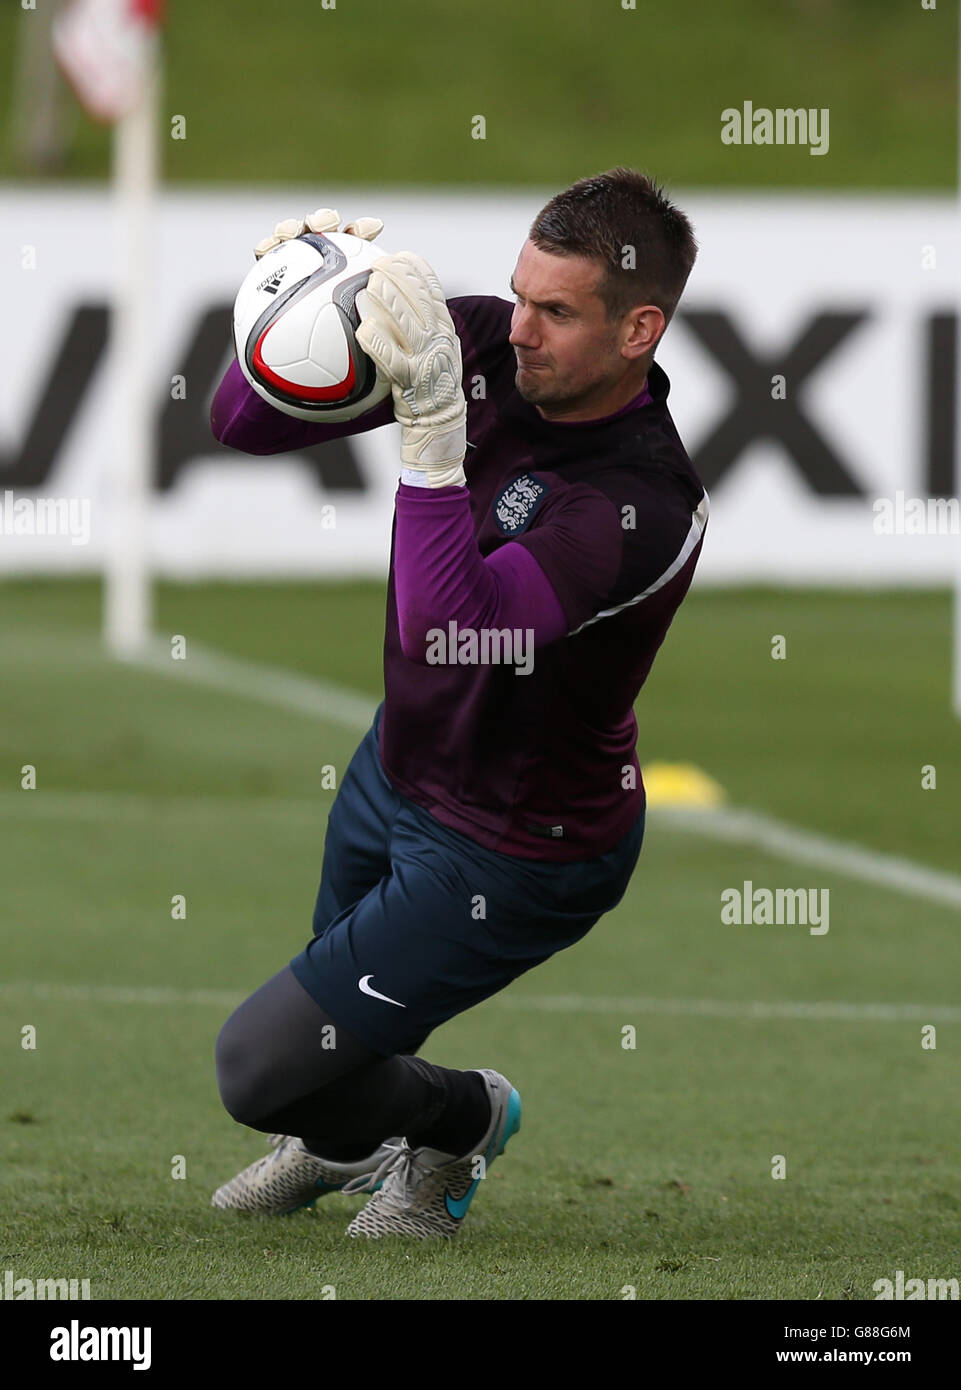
column 493, row 812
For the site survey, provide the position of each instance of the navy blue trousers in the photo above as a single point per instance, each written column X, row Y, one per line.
column 414, row 922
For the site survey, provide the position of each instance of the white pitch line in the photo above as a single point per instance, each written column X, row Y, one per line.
column 826, row 1009
column 270, row 685
column 118, row 994
column 821, row 1011
column 125, row 806
column 731, row 824
column 353, row 710
column 737, row 826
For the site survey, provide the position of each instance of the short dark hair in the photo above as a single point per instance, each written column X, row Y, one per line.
column 601, row 217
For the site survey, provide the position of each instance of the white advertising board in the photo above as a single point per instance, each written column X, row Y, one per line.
column 813, row 364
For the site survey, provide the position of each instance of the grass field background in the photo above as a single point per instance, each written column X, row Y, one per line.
column 373, row 92
column 648, row 1167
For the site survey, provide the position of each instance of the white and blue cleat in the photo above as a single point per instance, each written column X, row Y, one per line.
column 425, row 1192
column 290, row 1178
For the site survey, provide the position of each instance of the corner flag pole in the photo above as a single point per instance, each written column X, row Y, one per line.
column 109, row 52
column 127, row 589
column 956, row 659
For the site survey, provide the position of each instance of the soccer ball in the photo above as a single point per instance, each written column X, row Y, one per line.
column 294, row 322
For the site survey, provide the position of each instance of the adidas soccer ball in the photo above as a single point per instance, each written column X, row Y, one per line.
column 294, row 322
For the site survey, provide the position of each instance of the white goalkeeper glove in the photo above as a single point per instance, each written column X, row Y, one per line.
column 323, row 220
column 408, row 332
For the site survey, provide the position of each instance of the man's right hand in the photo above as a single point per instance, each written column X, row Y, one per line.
column 323, row 220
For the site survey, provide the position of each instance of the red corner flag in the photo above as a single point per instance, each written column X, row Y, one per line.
column 103, row 47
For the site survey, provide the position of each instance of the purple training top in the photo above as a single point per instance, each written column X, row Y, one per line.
column 575, row 541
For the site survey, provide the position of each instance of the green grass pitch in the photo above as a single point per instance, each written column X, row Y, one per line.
column 645, row 1169
column 377, row 93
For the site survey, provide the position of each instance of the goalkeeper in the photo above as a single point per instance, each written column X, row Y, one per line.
column 491, row 815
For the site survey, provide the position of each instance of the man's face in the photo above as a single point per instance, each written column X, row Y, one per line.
column 568, row 351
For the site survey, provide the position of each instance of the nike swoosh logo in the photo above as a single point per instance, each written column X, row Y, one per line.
column 364, row 986
column 457, row 1206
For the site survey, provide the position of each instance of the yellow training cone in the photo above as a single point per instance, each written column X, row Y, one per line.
column 680, row 784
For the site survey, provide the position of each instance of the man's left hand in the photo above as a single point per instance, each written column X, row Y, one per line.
column 408, row 332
